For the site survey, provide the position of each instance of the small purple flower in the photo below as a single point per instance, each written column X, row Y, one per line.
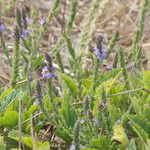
column 28, row 20
column 46, row 74
column 95, row 122
column 2, row 27
column 100, row 53
column 72, row 147
column 42, row 22
column 108, row 66
column 101, row 105
column 81, row 121
column 36, row 102
column 25, row 33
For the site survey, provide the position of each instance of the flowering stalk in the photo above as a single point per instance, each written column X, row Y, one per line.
column 32, row 46
column 18, row 20
column 138, row 58
column 122, row 65
column 96, row 67
column 100, row 53
column 24, row 18
column 138, row 32
column 49, row 75
column 115, row 61
column 75, row 62
column 50, row 16
column 59, row 61
column 60, row 42
column 76, row 135
column 15, row 59
column 73, row 11
column 112, row 44
column 104, row 113
column 85, row 32
column 39, row 98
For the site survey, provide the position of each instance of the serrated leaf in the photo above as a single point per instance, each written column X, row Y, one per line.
column 138, row 128
column 99, row 143
column 68, row 112
column 71, row 84
column 9, row 120
column 5, row 93
column 7, row 98
column 120, row 135
column 63, row 134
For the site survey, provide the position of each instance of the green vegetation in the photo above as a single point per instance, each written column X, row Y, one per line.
column 78, row 107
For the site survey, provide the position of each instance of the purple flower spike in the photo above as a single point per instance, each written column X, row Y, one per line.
column 95, row 122
column 36, row 102
column 25, row 33
column 42, row 22
column 100, row 53
column 45, row 69
column 101, row 105
column 72, row 147
column 46, row 74
column 2, row 27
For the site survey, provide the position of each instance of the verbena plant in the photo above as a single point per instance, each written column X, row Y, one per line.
column 49, row 106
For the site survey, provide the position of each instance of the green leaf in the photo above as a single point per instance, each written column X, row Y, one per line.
column 63, row 134
column 131, row 145
column 139, row 126
column 7, row 97
column 38, row 61
column 120, row 135
column 28, row 141
column 28, row 112
column 87, row 86
column 146, row 79
column 68, row 112
column 2, row 144
column 5, row 93
column 100, row 143
column 9, row 120
column 107, row 85
column 43, row 146
column 71, row 84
